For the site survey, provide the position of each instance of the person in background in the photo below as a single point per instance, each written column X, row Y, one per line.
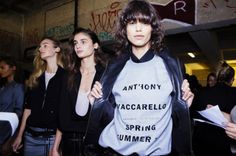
column 211, row 80
column 142, row 102
column 11, row 98
column 11, row 92
column 39, row 121
column 86, row 65
column 209, row 139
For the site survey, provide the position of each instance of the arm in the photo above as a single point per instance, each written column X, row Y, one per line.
column 17, row 143
column 18, row 100
column 55, row 148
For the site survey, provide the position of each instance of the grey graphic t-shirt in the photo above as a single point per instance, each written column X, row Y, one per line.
column 142, row 121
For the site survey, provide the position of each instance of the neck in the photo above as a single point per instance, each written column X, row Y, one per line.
column 10, row 79
column 87, row 65
column 51, row 67
column 140, row 51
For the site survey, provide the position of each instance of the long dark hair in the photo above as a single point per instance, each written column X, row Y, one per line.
column 144, row 12
column 75, row 62
column 225, row 73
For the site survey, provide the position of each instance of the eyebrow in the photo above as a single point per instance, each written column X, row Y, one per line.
column 83, row 39
column 44, row 43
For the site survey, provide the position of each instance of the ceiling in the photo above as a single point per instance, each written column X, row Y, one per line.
column 22, row 6
column 209, row 42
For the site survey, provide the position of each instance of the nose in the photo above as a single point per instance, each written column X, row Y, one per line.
column 77, row 45
column 138, row 26
column 40, row 48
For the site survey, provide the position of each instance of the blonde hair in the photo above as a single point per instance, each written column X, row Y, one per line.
column 40, row 65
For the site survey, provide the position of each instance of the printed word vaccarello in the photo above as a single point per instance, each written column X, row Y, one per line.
column 141, row 106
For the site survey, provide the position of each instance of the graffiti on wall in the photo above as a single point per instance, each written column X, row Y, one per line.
column 61, row 32
column 173, row 13
column 103, row 22
column 227, row 4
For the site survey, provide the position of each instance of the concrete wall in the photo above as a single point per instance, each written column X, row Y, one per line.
column 10, row 34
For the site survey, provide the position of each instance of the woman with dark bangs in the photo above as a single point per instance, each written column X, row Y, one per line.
column 142, row 102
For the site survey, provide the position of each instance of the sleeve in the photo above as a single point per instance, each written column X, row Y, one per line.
column 27, row 100
column 18, row 99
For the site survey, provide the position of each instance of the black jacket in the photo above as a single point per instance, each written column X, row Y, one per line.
column 103, row 108
column 44, row 102
column 68, row 120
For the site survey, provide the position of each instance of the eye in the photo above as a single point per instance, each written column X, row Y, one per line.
column 131, row 22
column 83, row 41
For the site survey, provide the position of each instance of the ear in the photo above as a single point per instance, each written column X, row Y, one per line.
column 95, row 45
column 13, row 68
column 58, row 49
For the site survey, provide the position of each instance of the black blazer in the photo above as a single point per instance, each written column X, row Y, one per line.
column 68, row 120
column 43, row 102
column 103, row 108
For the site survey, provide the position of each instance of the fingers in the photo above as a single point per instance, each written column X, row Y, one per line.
column 16, row 148
column 209, row 106
column 187, row 94
column 96, row 90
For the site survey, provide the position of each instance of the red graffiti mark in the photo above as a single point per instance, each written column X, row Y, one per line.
column 105, row 21
column 228, row 5
column 207, row 4
column 32, row 38
column 211, row 2
column 180, row 10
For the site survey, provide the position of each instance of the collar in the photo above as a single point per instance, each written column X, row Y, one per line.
column 146, row 57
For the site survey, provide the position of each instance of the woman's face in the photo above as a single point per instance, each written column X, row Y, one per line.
column 139, row 34
column 6, row 70
column 211, row 81
column 84, row 46
column 47, row 49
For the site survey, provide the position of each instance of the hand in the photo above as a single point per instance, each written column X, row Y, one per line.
column 95, row 93
column 230, row 130
column 187, row 94
column 54, row 152
column 17, row 144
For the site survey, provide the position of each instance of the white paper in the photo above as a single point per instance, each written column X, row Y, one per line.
column 215, row 115
column 12, row 118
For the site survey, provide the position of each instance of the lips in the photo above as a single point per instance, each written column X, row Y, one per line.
column 139, row 36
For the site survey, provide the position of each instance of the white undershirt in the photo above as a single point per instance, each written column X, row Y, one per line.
column 48, row 76
column 82, row 103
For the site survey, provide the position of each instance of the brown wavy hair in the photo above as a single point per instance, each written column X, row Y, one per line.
column 75, row 62
column 40, row 65
column 144, row 12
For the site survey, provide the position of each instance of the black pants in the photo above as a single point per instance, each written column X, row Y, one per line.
column 72, row 144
